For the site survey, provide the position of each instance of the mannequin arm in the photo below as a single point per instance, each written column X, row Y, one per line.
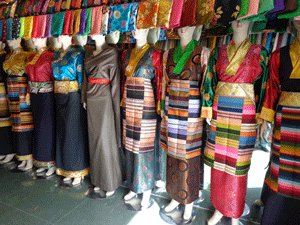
column 263, row 129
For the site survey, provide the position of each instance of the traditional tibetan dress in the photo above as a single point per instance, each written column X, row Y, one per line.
column 5, row 123
column 233, row 93
column 182, row 125
column 40, row 76
column 141, row 120
column 101, row 91
column 19, row 103
column 71, row 133
column 281, row 192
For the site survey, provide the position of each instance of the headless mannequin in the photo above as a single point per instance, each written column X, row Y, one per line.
column 99, row 43
column 80, row 40
column 9, row 157
column 264, row 127
column 141, row 39
column 66, row 42
column 40, row 43
column 56, row 45
column 26, row 164
column 186, row 36
column 113, row 37
column 240, row 33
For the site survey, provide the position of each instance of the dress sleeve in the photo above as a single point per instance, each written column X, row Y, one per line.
column 209, row 85
column 260, row 83
column 157, row 60
column 115, row 80
column 79, row 67
column 273, row 89
column 164, row 84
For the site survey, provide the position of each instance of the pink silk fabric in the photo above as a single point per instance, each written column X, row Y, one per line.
column 96, row 20
column 253, row 9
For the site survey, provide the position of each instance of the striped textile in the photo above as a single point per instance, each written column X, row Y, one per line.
column 181, row 129
column 233, row 130
column 4, row 113
column 284, row 176
column 140, row 120
column 21, row 116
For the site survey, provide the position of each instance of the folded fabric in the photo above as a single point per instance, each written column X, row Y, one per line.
column 252, row 9
column 133, row 16
column 38, row 9
column 97, row 2
column 176, row 14
column 22, row 27
column 82, row 21
column 1, row 28
column 291, row 14
column 110, row 18
column 188, row 17
column 88, row 22
column 57, row 24
column 164, row 13
column 147, row 15
column 48, row 26
column 205, row 11
column 57, row 7
column 67, row 20
column 45, row 6
column 35, row 27
column 96, row 20
column 104, row 23
column 278, row 6
column 77, row 16
column 121, row 18
column 9, row 23
column 28, row 24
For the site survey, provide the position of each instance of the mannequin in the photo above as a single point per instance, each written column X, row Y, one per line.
column 80, row 40
column 15, row 66
column 178, row 80
column 41, row 78
column 153, row 35
column 7, row 152
column 71, row 154
column 102, row 78
column 54, row 43
column 227, row 70
column 197, row 33
column 141, row 161
column 281, row 195
column 113, row 38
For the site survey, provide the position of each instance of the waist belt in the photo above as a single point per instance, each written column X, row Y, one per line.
column 98, row 81
column 64, row 87
column 40, row 87
column 289, row 99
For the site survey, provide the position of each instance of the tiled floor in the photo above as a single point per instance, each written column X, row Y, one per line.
column 27, row 201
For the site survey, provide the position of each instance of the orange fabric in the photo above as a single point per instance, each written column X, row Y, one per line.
column 98, row 81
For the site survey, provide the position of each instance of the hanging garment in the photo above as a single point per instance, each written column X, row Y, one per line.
column 141, row 121
column 40, row 82
column 182, row 126
column 5, row 122
column 82, row 22
column 282, row 105
column 233, row 93
column 227, row 11
column 71, row 134
column 18, row 100
column 101, row 93
column 147, row 15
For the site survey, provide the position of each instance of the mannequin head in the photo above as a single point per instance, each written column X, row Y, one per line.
column 197, row 33
column 14, row 44
column 140, row 33
column 153, row 35
column 80, row 40
column 99, row 41
column 186, row 32
column 240, row 27
column 54, row 43
column 39, row 43
column 65, row 41
column 113, row 37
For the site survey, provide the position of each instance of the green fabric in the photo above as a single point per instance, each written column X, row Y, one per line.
column 57, row 24
column 264, row 7
column 85, row 3
column 244, row 8
column 209, row 84
column 22, row 26
column 291, row 14
column 180, row 58
column 259, row 87
column 253, row 38
column 88, row 22
column 259, row 26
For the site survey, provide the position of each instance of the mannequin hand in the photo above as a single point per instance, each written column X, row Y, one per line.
column 208, row 120
column 263, row 129
column 84, row 106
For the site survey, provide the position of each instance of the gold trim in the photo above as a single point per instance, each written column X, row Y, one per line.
column 64, row 87
column 236, row 56
column 24, row 157
column 295, row 58
column 267, row 114
column 206, row 112
column 46, row 165
column 289, row 99
column 72, row 174
column 37, row 56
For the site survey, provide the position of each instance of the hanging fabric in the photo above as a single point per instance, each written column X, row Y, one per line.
column 22, row 27
column 176, row 13
column 1, row 28
column 35, row 27
column 67, row 21
column 110, row 18
column 147, row 15
column 48, row 26
column 96, row 22
column 39, row 6
column 28, row 23
column 82, row 21
column 13, row 9
column 57, row 5
column 121, row 18
column 97, row 2
column 104, row 24
column 264, row 7
column 244, row 8
column 205, row 11
column 88, row 22
column 45, row 6
column 4, row 31
column 76, row 25
column 188, row 17
column 84, row 3
column 57, row 24
column 278, row 6
column 9, row 23
column 51, row 7
column 293, row 4
column 133, row 16
column 226, row 11
column 164, row 13
column 253, row 9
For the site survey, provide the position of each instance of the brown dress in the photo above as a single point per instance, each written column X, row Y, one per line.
column 101, row 91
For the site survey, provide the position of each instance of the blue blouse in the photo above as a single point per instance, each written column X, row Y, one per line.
column 68, row 67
